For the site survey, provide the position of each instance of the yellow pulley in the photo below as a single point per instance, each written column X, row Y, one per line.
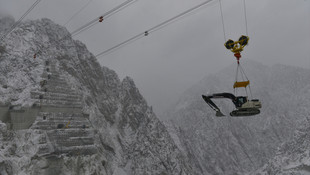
column 237, row 46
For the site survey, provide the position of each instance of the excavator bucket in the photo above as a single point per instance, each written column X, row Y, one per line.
column 213, row 106
column 219, row 114
column 241, row 84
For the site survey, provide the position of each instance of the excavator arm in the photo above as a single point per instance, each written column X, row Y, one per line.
column 213, row 106
column 208, row 100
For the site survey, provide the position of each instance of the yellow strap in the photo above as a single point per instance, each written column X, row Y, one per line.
column 241, row 84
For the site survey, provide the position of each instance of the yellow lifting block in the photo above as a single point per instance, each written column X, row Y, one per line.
column 237, row 46
column 241, row 84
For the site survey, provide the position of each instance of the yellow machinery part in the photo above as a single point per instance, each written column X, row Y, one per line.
column 67, row 125
column 238, row 46
column 241, row 84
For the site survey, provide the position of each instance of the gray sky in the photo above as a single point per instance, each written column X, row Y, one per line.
column 169, row 61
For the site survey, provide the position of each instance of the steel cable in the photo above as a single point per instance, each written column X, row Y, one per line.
column 79, row 11
column 95, row 21
column 17, row 23
column 153, row 29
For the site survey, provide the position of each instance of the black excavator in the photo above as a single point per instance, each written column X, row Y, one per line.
column 244, row 107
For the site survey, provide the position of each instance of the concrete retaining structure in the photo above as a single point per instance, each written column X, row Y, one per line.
column 56, row 116
column 23, row 118
column 4, row 113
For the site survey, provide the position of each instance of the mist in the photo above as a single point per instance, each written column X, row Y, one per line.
column 169, row 61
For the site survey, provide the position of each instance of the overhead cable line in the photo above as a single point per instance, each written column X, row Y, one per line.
column 84, row 29
column 94, row 22
column 104, row 16
column 17, row 23
column 99, row 19
column 79, row 11
column 245, row 18
column 221, row 10
column 153, row 29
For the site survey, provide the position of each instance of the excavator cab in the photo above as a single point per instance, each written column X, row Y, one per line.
column 241, row 100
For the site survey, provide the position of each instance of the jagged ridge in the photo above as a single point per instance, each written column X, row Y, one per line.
column 129, row 137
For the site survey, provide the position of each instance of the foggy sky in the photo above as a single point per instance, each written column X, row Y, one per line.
column 171, row 60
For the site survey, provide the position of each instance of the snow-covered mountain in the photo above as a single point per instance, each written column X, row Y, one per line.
column 226, row 145
column 127, row 135
column 120, row 133
column 293, row 156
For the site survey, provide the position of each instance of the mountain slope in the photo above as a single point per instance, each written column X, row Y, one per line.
column 292, row 157
column 240, row 145
column 129, row 137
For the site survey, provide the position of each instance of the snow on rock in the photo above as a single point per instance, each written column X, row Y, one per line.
column 129, row 137
column 293, row 156
column 229, row 145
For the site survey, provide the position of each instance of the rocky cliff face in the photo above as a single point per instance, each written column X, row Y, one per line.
column 292, row 157
column 128, row 137
column 240, row 145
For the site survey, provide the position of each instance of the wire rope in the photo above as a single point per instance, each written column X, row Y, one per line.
column 86, row 28
column 243, row 77
column 79, row 11
column 17, row 23
column 248, row 80
column 178, row 16
column 95, row 21
column 236, row 79
column 245, row 18
column 128, row 41
column 153, row 29
column 105, row 15
column 222, row 16
column 118, row 8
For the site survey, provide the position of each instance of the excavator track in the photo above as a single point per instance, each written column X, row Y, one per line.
column 245, row 112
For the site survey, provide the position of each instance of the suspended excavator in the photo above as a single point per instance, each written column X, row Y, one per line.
column 244, row 106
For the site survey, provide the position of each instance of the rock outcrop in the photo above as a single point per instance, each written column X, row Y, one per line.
column 89, row 121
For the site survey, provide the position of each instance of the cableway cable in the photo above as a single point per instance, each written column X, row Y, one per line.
column 152, row 29
column 94, row 22
column 104, row 16
column 84, row 29
column 245, row 18
column 79, row 11
column 221, row 10
column 130, row 40
column 17, row 23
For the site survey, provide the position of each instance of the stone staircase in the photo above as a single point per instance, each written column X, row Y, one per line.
column 56, row 138
column 61, row 131
column 55, row 91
